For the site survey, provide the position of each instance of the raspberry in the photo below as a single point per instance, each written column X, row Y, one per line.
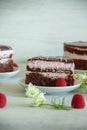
column 78, row 101
column 61, row 82
column 27, row 81
column 15, row 65
column 2, row 100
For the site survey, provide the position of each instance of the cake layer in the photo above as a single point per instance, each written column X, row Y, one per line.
column 40, row 79
column 79, row 47
column 75, row 56
column 82, row 44
column 44, row 71
column 5, row 51
column 53, row 75
column 4, row 48
column 78, row 52
column 6, row 59
column 6, row 54
column 80, row 64
column 6, row 67
column 50, row 64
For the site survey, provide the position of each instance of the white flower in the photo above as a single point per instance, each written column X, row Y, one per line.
column 84, row 76
column 81, row 76
column 39, row 100
column 32, row 91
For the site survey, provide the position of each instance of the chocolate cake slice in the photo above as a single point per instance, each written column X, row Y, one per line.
column 78, row 52
column 6, row 61
column 44, row 71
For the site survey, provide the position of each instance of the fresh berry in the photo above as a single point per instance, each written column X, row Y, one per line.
column 27, row 81
column 15, row 65
column 2, row 100
column 61, row 82
column 78, row 101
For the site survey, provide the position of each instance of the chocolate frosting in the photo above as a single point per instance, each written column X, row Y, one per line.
column 4, row 47
column 82, row 44
column 53, row 58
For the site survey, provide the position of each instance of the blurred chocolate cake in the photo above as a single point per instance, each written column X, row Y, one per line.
column 78, row 52
column 6, row 61
column 44, row 71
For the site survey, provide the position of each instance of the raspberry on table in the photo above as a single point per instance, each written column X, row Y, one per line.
column 3, row 100
column 78, row 101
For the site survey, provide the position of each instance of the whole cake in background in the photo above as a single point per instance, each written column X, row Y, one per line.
column 6, row 61
column 78, row 52
column 44, row 71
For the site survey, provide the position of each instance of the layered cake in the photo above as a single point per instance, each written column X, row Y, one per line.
column 6, row 61
column 78, row 52
column 44, row 71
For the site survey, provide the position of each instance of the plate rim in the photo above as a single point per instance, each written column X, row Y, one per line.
column 10, row 74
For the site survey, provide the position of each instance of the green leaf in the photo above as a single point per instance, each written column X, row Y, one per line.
column 61, row 105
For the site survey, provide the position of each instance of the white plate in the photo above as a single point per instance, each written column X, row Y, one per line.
column 10, row 74
column 53, row 89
